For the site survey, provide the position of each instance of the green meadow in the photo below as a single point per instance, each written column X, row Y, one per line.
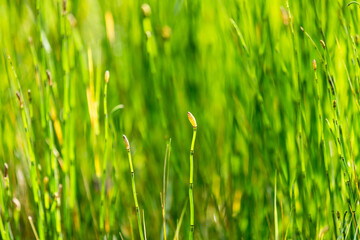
column 182, row 119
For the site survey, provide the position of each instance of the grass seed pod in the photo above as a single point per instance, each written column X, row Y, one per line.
column 192, row 120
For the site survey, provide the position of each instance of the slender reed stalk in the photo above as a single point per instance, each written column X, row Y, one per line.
column 4, row 195
column 33, row 228
column 133, row 187
column 163, row 194
column 191, row 195
column 144, row 224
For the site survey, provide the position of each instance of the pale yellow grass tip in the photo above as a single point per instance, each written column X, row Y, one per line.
column 126, row 141
column 107, row 76
column 192, row 119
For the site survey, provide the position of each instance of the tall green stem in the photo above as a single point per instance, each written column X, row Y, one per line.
column 191, row 185
column 133, row 187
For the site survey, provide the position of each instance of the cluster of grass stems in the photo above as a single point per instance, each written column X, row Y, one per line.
column 275, row 85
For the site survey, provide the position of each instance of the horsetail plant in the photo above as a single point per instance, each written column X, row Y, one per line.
column 33, row 165
column 191, row 195
column 133, row 187
column 163, row 194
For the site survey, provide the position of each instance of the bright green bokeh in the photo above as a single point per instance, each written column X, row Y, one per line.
column 242, row 68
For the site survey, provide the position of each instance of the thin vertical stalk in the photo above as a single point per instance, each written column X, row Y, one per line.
column 163, row 195
column 133, row 187
column 191, row 194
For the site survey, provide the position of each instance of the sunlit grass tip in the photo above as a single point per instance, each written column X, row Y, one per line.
column 192, row 120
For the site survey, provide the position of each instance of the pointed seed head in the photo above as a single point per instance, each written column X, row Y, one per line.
column 322, row 44
column 126, row 141
column 192, row 120
column 314, row 65
column 146, row 10
column 107, row 76
column 17, row 203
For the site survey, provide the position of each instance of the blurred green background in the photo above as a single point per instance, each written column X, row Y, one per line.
column 266, row 165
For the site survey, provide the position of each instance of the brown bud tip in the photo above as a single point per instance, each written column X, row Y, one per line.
column 6, row 167
column 314, row 65
column 166, row 32
column 17, row 203
column 357, row 39
column 19, row 98
column 334, row 104
column 146, row 10
column 338, row 214
column 322, row 44
column 192, row 120
column 126, row 141
column 48, row 74
column 46, row 181
column 302, row 29
column 107, row 76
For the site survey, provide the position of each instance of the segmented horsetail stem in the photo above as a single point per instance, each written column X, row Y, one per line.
column 127, row 144
column 191, row 195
